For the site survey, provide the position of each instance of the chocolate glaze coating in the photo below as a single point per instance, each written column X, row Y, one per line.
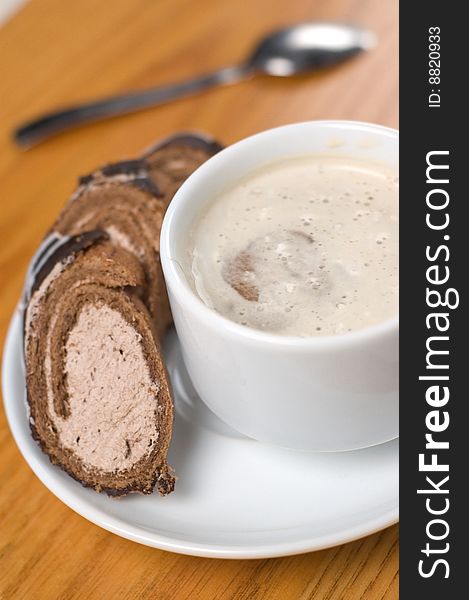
column 194, row 140
column 70, row 246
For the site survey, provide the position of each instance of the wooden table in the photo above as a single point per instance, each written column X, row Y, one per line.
column 54, row 52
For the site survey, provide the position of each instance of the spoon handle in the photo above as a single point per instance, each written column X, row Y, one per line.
column 49, row 124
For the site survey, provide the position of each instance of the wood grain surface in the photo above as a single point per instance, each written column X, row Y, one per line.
column 58, row 52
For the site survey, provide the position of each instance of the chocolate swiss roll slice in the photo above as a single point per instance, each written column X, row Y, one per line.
column 171, row 161
column 128, row 200
column 97, row 389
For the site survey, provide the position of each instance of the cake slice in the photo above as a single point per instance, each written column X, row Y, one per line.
column 170, row 161
column 128, row 200
column 97, row 389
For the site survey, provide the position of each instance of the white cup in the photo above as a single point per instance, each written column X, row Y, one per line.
column 327, row 393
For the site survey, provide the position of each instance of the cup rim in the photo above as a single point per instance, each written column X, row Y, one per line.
column 179, row 286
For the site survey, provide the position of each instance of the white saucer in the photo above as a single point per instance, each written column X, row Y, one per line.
column 235, row 498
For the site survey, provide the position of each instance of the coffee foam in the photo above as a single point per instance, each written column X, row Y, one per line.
column 307, row 246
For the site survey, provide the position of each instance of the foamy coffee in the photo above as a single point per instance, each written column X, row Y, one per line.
column 307, row 246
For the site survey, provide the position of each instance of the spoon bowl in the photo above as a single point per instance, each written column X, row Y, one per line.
column 308, row 46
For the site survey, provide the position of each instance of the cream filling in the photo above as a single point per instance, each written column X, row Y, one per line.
column 112, row 399
column 122, row 240
column 35, row 301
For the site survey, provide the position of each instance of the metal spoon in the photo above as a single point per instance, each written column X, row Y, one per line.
column 291, row 51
